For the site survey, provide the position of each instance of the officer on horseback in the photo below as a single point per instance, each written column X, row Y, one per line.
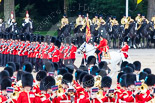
column 103, row 47
column 79, row 23
column 64, row 22
column 124, row 21
column 27, row 23
column 12, row 23
column 2, row 26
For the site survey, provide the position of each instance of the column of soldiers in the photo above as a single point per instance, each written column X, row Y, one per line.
column 86, row 84
column 37, row 50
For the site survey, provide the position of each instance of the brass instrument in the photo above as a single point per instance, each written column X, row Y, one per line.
column 143, row 88
column 99, row 94
column 98, row 79
column 15, row 95
column 58, row 79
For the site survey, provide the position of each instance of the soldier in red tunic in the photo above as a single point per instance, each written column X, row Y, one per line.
column 125, row 49
column 102, row 47
column 72, row 51
column 26, row 96
column 56, row 52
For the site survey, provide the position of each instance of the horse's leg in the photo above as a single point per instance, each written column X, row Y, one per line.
column 134, row 42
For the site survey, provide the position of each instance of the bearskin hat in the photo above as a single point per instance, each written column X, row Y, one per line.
column 124, row 64
column 4, row 74
column 150, row 80
column 131, row 65
column 106, row 82
column 103, row 65
column 57, row 43
column 40, row 75
column 142, row 75
column 62, row 71
column 67, row 78
column 17, row 66
column 49, row 66
column 48, row 82
column 19, row 75
column 88, row 81
column 147, row 70
column 27, row 79
column 81, row 76
column 102, row 72
column 122, row 80
column 42, row 87
column 42, row 38
column 137, row 65
column 91, row 60
column 104, row 36
column 130, row 79
column 12, row 64
column 53, row 39
column 27, row 67
column 56, row 66
column 5, row 82
column 73, row 41
column 10, row 70
column 77, row 74
column 127, row 69
column 93, row 70
column 67, row 40
column 119, row 76
column 70, row 68
column 83, row 68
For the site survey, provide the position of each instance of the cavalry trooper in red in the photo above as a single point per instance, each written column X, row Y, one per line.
column 56, row 52
column 125, row 48
column 72, row 51
column 103, row 46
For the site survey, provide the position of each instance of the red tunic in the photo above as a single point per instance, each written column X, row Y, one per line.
column 125, row 49
column 25, row 97
column 103, row 45
column 72, row 52
column 62, row 52
column 55, row 56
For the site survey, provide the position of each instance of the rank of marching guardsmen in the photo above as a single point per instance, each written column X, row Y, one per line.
column 36, row 49
column 86, row 84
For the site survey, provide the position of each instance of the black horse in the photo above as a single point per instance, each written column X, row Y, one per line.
column 105, row 30
column 27, row 28
column 132, row 34
column 64, row 32
column 145, row 33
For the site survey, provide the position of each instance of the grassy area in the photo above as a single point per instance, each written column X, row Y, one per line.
column 52, row 33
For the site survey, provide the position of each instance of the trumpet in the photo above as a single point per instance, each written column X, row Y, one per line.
column 98, row 79
column 60, row 92
column 15, row 95
column 100, row 94
column 143, row 88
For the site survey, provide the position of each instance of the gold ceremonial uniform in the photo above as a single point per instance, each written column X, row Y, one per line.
column 64, row 22
column 144, row 19
column 95, row 21
column 79, row 21
column 85, row 23
column 124, row 20
column 114, row 22
column 101, row 22
column 138, row 19
column 153, row 20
